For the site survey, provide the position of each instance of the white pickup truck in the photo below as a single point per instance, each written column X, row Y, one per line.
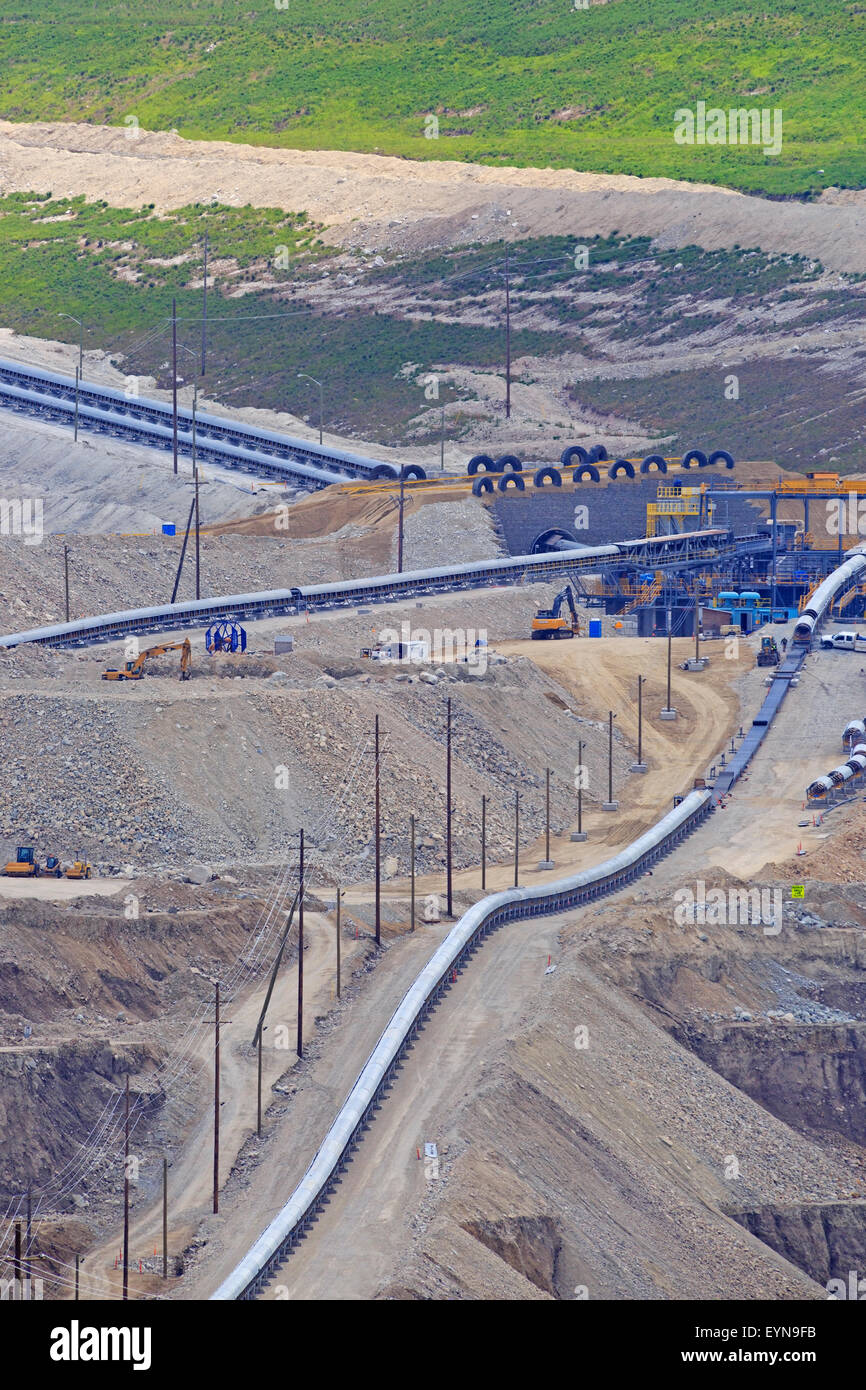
column 845, row 641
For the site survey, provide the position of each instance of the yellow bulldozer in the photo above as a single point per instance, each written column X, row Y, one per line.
column 134, row 670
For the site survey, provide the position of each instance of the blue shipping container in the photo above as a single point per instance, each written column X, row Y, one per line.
column 168, row 528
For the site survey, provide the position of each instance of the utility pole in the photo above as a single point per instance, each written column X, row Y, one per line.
column 547, row 862
column 164, row 1217
column 580, row 748
column 195, row 477
column 216, row 1100
column 174, row 382
column 29, row 1244
column 301, row 947
column 339, row 943
column 259, row 1083
column 507, row 337
column 77, row 1264
column 126, row 1193
column 66, row 577
column 669, row 635
column 448, row 863
column 697, row 621
column 218, row 1023
column 378, row 845
column 669, row 712
column 183, row 550
column 412, row 873
column 547, row 817
column 610, row 804
column 442, row 443
column 483, row 843
column 516, row 835
column 197, row 548
column 204, row 311
column 77, row 386
column 402, row 504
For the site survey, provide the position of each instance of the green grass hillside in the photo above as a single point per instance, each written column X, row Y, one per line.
column 534, row 82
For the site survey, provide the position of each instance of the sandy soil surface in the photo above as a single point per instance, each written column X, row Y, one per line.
column 58, row 890
column 461, row 1077
column 378, row 200
column 760, row 824
column 498, row 993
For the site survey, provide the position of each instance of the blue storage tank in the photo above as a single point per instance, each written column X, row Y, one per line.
column 595, row 627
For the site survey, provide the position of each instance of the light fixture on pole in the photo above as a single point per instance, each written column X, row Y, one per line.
column 610, row 804
column 306, row 377
column 80, row 341
column 640, row 765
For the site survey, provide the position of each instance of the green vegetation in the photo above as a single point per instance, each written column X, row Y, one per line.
column 534, row 82
column 774, row 416
column 117, row 270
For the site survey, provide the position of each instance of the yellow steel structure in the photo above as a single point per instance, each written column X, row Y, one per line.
column 679, row 502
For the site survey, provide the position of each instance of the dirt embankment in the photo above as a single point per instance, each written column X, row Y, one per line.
column 378, row 200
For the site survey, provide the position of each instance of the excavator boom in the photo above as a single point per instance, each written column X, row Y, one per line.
column 548, row 622
column 135, row 669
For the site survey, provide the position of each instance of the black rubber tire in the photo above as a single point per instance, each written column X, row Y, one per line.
column 479, row 461
column 511, row 480
column 661, row 464
column 413, row 470
column 575, row 453
column 506, row 461
column 621, row 466
column 721, row 456
column 548, row 474
column 482, row 484
column 696, row 455
column 586, row 470
column 598, row 454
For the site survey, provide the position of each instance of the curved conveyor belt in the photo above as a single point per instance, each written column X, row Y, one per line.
column 288, row 1228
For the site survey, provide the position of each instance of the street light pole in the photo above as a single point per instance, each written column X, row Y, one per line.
column 610, row 804
column 80, row 340
column 195, row 472
column 306, row 377
column 640, row 765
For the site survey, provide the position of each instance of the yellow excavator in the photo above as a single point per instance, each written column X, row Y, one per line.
column 549, row 623
column 134, row 670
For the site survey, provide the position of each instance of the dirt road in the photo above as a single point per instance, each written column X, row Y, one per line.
column 760, row 824
column 377, row 200
column 59, row 890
